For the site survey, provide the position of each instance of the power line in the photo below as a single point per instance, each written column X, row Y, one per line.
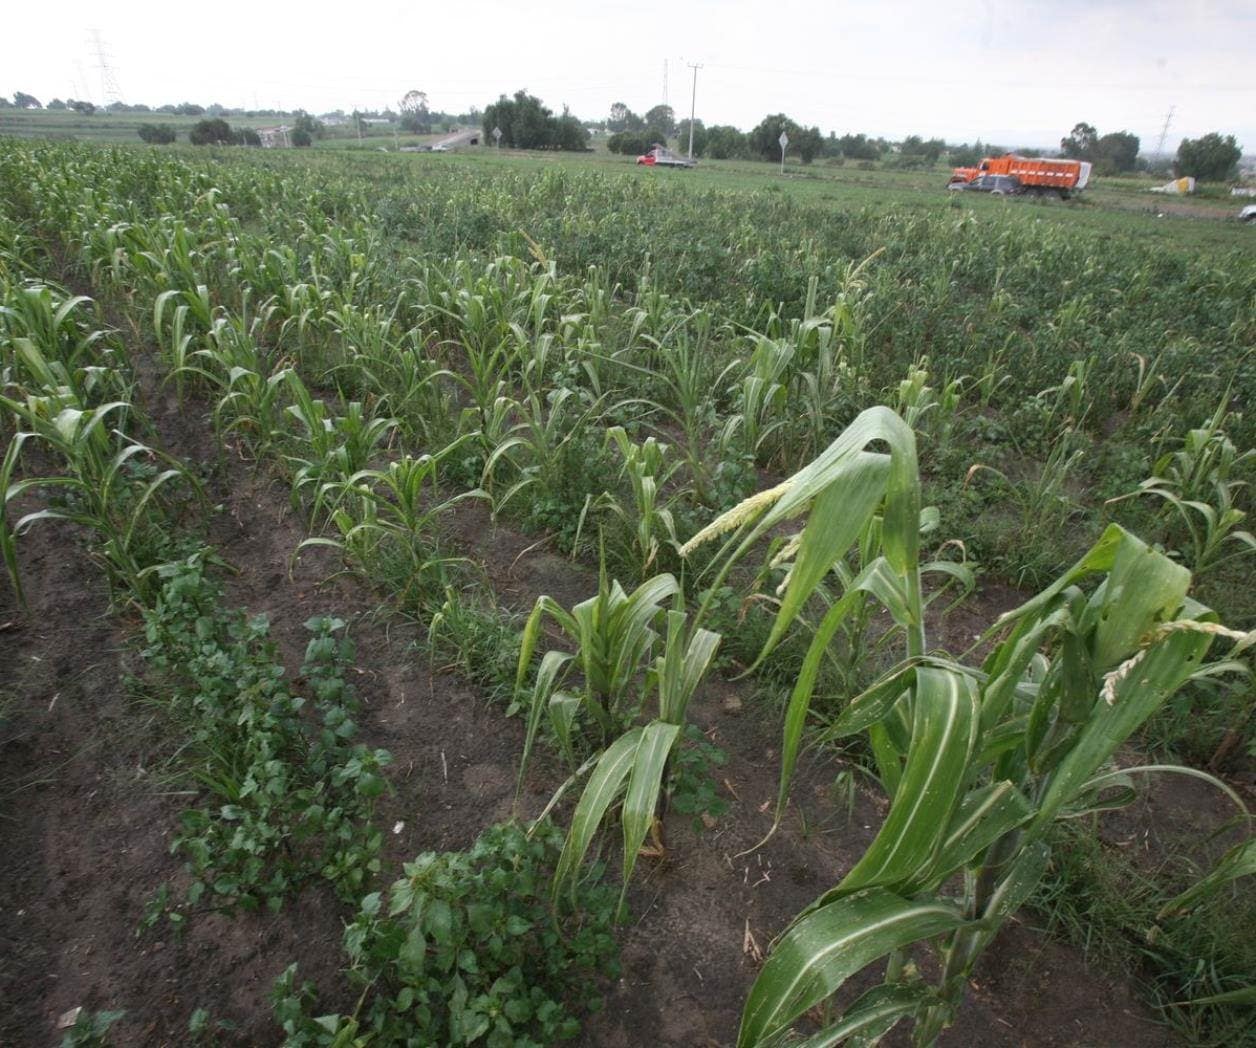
column 109, row 89
column 1164, row 131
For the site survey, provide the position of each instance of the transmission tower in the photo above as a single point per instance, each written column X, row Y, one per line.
column 109, row 89
column 1164, row 131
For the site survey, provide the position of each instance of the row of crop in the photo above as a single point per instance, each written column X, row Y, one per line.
column 285, row 792
column 1047, row 733
column 72, row 454
column 1030, row 290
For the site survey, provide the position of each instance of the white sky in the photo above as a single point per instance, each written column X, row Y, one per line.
column 1013, row 73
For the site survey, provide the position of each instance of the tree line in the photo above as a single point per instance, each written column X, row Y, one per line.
column 215, row 131
column 526, row 123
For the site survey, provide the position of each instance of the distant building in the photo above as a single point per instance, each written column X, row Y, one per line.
column 275, row 137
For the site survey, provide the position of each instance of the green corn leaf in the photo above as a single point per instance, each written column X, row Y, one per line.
column 943, row 733
column 1239, row 861
column 1241, row 996
column 604, row 786
column 551, row 665
column 874, row 1014
column 828, row 945
column 984, row 815
column 1144, row 684
column 641, row 800
column 839, row 514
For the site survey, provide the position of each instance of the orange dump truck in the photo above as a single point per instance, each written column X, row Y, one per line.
column 1013, row 174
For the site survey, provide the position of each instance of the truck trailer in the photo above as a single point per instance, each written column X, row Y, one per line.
column 1013, row 174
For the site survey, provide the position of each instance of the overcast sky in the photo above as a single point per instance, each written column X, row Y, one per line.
column 1008, row 72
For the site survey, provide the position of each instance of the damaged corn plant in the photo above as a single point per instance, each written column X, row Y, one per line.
column 978, row 760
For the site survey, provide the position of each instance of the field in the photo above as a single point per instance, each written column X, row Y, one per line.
column 503, row 599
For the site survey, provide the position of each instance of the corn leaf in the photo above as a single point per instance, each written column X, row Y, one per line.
column 604, row 786
column 943, row 733
column 874, row 1014
column 648, row 764
column 828, row 945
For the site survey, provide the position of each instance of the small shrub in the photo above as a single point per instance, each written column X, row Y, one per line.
column 215, row 132
column 157, row 134
column 467, row 948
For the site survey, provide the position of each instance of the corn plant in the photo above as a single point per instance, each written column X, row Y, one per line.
column 386, row 520
column 647, row 517
column 764, row 397
column 1196, row 483
column 329, row 448
column 109, row 485
column 542, row 447
column 978, row 762
column 614, row 636
column 631, row 770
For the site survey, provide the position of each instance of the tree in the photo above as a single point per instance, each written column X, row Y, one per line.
column 527, row 124
column 858, row 147
column 156, row 134
column 302, row 138
column 927, row 150
column 628, row 143
column 725, row 142
column 415, row 117
column 189, row 109
column 569, row 133
column 764, row 140
column 809, row 143
column 660, row 123
column 699, row 137
column 308, row 126
column 56, row 103
column 1117, row 151
column 215, row 132
column 80, row 106
column 247, row 136
column 1212, row 158
column 622, row 118
column 24, row 101
column 1081, row 142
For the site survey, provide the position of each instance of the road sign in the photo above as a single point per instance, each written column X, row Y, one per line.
column 784, row 141
column 497, row 136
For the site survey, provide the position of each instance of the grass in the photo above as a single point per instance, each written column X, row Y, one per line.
column 1097, row 897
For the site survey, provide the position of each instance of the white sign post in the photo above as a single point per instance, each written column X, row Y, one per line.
column 497, row 137
column 784, row 141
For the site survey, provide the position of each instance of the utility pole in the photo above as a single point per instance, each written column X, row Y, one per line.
column 1164, row 131
column 693, row 104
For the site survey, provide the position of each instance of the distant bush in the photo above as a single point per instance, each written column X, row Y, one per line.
column 215, row 132
column 628, row 143
column 302, row 138
column 157, row 134
column 246, row 136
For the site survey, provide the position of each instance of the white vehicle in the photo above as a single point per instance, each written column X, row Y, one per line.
column 1248, row 214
